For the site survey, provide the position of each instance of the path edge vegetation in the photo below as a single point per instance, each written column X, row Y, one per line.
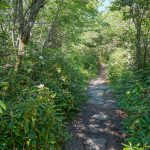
column 129, row 73
column 44, row 70
column 49, row 51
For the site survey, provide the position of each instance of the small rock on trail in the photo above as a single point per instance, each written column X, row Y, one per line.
column 99, row 124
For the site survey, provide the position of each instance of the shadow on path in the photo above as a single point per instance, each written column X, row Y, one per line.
column 99, row 123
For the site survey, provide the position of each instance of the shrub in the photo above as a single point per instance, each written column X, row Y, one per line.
column 40, row 98
column 117, row 65
column 88, row 60
column 133, row 97
column 135, row 102
column 32, row 124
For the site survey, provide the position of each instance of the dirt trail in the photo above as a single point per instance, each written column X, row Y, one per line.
column 99, row 123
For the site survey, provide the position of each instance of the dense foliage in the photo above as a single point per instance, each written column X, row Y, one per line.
column 44, row 71
column 48, row 52
column 129, row 69
column 133, row 94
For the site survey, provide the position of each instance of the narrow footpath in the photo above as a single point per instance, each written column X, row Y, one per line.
column 99, row 124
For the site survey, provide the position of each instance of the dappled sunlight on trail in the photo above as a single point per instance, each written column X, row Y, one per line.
column 99, row 123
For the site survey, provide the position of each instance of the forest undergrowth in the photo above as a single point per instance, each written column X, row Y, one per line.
column 43, row 98
column 49, row 50
column 132, row 90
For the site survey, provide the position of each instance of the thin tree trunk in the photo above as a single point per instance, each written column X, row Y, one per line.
column 21, row 53
column 138, row 47
column 137, row 23
column 145, row 47
column 52, row 29
column 14, row 17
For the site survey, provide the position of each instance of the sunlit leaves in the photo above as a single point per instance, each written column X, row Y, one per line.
column 2, row 107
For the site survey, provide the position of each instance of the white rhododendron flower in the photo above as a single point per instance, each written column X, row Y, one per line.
column 40, row 86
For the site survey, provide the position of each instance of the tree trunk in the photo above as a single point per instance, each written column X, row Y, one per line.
column 138, row 47
column 145, row 47
column 26, row 19
column 21, row 53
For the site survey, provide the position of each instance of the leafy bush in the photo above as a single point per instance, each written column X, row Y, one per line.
column 45, row 93
column 117, row 65
column 135, row 101
column 62, row 76
column 87, row 60
column 32, row 124
column 133, row 97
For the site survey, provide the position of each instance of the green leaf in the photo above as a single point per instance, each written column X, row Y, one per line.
column 2, row 106
column 1, row 111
